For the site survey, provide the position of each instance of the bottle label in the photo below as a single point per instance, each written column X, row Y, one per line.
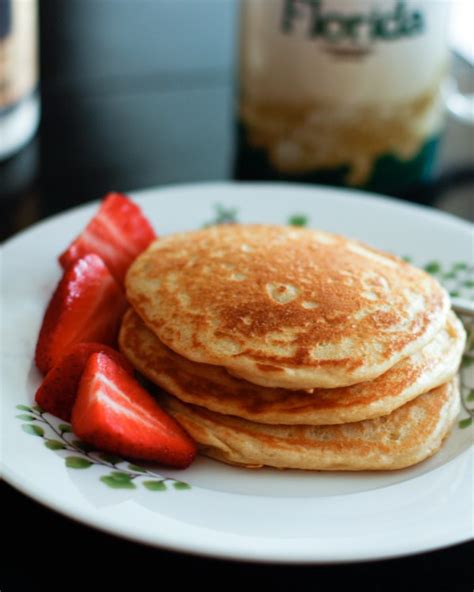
column 327, row 84
column 357, row 30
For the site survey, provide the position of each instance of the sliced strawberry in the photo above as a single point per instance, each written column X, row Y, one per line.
column 118, row 233
column 114, row 413
column 58, row 391
column 87, row 305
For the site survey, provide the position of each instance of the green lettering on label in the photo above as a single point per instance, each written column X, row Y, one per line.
column 356, row 29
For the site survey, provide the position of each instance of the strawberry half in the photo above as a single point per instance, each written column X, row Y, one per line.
column 118, row 233
column 58, row 391
column 115, row 414
column 87, row 305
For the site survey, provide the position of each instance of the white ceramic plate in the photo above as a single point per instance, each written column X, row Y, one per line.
column 213, row 509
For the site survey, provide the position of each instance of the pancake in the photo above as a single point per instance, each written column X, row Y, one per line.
column 407, row 436
column 213, row 388
column 283, row 306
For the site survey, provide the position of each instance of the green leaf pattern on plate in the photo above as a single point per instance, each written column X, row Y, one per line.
column 155, row 485
column 54, row 444
column 34, row 430
column 114, row 483
column 180, row 485
column 465, row 423
column 110, row 459
column 457, row 277
column 298, row 220
column 77, row 462
column 59, row 437
column 222, row 215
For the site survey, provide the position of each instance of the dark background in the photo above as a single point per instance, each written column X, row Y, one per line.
column 137, row 93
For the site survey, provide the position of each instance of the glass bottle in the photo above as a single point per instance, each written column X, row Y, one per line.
column 19, row 102
column 345, row 92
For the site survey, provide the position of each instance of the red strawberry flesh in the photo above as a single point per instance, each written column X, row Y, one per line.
column 58, row 391
column 86, row 306
column 114, row 413
column 119, row 232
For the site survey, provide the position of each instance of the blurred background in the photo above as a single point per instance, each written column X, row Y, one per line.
column 138, row 93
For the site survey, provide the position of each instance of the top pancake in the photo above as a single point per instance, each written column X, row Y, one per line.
column 283, row 306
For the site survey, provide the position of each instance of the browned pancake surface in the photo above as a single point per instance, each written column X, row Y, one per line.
column 284, row 307
column 214, row 388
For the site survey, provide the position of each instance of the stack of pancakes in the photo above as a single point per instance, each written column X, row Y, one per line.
column 295, row 348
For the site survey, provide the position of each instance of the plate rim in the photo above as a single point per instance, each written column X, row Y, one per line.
column 141, row 194
column 268, row 557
